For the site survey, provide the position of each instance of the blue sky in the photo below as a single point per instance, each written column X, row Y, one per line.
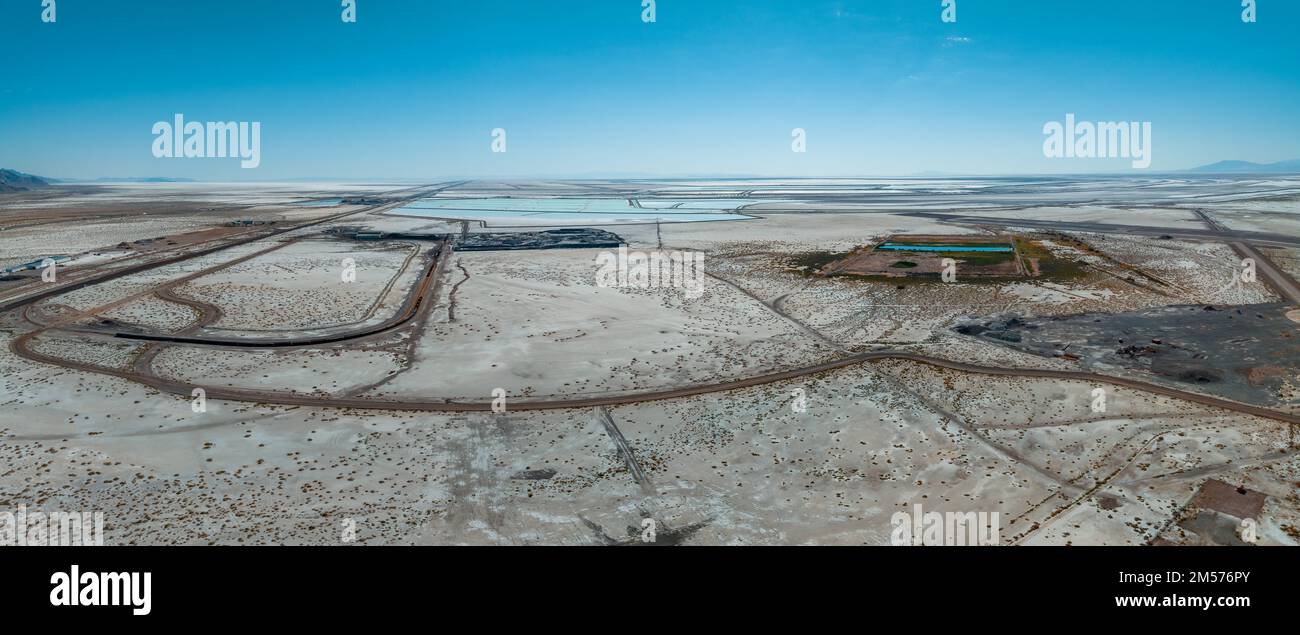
column 414, row 88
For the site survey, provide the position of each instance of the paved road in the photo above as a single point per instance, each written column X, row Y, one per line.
column 1282, row 283
column 1274, row 276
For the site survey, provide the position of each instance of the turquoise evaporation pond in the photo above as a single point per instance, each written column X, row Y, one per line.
column 559, row 211
column 952, row 248
column 329, row 202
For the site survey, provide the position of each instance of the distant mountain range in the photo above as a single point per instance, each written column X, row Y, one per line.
column 143, row 179
column 1229, row 167
column 15, row 181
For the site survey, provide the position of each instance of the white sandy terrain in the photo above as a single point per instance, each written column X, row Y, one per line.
column 306, row 371
column 306, row 286
column 1144, row 217
column 155, row 314
column 539, row 325
column 826, row 459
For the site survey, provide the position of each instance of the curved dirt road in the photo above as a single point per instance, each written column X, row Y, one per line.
column 20, row 347
column 426, row 287
column 429, row 284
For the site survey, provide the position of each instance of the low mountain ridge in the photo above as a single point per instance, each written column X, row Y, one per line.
column 15, row 181
column 1223, row 167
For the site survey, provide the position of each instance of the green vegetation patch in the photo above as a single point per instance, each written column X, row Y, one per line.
column 968, row 257
column 812, row 262
column 1050, row 266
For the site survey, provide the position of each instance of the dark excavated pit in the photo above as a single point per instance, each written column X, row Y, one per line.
column 1246, row 353
column 534, row 475
column 568, row 238
column 572, row 238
